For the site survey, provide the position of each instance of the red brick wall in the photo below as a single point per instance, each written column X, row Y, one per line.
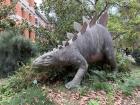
column 31, row 3
column 18, row 10
column 8, row 2
column 33, row 20
column 25, row 14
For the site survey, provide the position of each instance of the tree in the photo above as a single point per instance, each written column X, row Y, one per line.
column 125, row 23
column 6, row 23
column 63, row 13
column 5, row 10
column 68, row 11
column 15, row 51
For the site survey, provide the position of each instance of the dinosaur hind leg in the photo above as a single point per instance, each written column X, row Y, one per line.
column 83, row 66
column 109, row 53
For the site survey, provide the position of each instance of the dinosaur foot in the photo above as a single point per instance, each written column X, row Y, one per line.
column 72, row 84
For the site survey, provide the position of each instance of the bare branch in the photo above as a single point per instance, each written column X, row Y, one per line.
column 96, row 1
column 85, row 8
column 117, row 35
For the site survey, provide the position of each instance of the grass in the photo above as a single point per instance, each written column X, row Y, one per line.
column 29, row 94
column 131, row 82
column 110, row 98
column 93, row 102
column 102, row 86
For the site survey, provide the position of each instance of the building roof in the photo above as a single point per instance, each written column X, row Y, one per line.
column 41, row 16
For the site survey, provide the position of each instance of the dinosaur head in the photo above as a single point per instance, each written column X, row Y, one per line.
column 45, row 60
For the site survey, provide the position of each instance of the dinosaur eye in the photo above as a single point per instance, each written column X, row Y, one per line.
column 47, row 57
column 50, row 56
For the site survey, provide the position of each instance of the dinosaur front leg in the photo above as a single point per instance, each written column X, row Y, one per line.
column 79, row 75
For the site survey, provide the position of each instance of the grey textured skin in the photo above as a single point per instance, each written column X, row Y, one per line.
column 92, row 45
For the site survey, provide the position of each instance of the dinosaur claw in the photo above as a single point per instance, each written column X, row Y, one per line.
column 71, row 85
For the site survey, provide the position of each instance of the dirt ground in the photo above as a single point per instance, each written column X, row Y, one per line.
column 74, row 98
column 61, row 96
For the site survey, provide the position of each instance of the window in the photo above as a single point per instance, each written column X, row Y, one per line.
column 22, row 13
column 11, row 1
column 36, row 21
column 30, row 34
column 30, row 17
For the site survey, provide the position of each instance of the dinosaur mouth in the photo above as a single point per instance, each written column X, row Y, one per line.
column 38, row 65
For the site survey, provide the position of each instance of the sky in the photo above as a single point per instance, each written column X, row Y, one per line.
column 38, row 2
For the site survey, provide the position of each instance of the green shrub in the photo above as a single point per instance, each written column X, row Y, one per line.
column 102, row 86
column 14, row 51
column 83, row 90
column 136, row 55
column 22, row 79
column 129, row 85
column 122, row 62
column 46, row 40
column 30, row 96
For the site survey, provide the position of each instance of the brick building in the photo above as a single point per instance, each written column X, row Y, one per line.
column 25, row 10
column 40, row 20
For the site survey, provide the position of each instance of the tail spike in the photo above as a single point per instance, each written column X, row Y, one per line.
column 83, row 30
column 93, row 20
column 103, row 19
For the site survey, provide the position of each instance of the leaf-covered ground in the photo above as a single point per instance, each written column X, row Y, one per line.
column 74, row 98
column 84, row 96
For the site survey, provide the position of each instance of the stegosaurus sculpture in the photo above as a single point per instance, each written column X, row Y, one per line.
column 91, row 44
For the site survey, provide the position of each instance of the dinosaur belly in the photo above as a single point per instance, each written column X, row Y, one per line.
column 95, row 57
